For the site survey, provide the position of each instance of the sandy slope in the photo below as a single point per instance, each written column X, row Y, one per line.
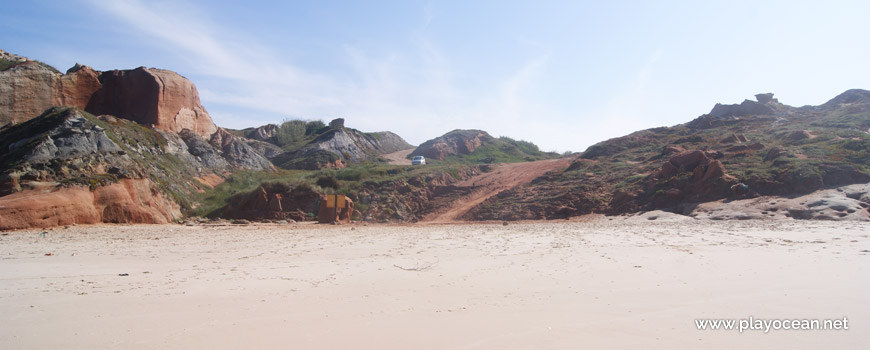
column 399, row 157
column 625, row 283
column 502, row 177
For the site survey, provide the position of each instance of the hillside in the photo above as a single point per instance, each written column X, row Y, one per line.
column 477, row 146
column 137, row 146
column 769, row 148
column 313, row 145
column 150, row 148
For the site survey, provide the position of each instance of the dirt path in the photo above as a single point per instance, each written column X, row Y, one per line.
column 398, row 158
column 503, row 177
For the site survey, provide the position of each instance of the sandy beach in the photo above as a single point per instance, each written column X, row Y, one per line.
column 600, row 283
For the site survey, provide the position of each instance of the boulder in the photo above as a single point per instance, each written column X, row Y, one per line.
column 337, row 123
column 765, row 98
column 715, row 169
column 687, row 161
column 667, row 170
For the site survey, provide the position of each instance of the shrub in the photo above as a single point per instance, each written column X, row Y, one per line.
column 328, row 181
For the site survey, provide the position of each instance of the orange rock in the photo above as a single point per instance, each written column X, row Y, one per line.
column 128, row 201
column 28, row 89
column 159, row 97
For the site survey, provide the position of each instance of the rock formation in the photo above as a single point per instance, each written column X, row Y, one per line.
column 263, row 133
column 148, row 96
column 66, row 153
column 746, row 108
column 152, row 97
column 765, row 98
column 274, row 201
column 337, row 123
column 237, row 151
column 452, row 143
column 337, row 146
column 30, row 87
column 128, row 201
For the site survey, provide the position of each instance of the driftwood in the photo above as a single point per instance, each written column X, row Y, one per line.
column 417, row 269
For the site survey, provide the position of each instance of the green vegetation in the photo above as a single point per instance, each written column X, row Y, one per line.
column 241, row 181
column 499, row 150
column 293, row 134
column 349, row 181
column 7, row 63
column 93, row 182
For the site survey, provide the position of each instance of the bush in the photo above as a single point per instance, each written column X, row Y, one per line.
column 295, row 131
column 328, row 181
column 353, row 174
column 290, row 132
column 313, row 126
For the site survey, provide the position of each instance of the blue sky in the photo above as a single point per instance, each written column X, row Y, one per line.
column 563, row 74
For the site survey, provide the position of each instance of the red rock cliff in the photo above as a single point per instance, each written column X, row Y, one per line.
column 152, row 96
column 149, row 96
column 29, row 88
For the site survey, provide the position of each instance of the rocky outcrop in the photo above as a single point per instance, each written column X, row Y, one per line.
column 237, row 151
column 263, row 133
column 128, row 201
column 309, row 159
column 765, row 98
column 66, row 148
column 152, row 97
column 30, row 87
column 204, row 152
column 275, row 201
column 746, row 108
column 836, row 204
column 349, row 145
column 148, row 96
column 337, row 123
column 265, row 149
column 456, row 142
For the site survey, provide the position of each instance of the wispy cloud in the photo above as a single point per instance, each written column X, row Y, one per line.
column 396, row 90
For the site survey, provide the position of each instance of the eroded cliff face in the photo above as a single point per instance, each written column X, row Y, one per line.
column 156, row 97
column 29, row 88
column 128, row 201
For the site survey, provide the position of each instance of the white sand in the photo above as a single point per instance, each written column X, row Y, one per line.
column 562, row 285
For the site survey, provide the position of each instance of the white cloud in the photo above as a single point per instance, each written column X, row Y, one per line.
column 413, row 93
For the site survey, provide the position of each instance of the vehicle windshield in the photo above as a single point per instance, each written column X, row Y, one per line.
column 418, row 158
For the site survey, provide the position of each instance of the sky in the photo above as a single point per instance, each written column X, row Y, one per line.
column 562, row 74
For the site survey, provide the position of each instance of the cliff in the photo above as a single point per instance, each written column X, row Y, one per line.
column 156, row 97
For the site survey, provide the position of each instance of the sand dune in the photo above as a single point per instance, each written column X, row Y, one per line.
column 620, row 283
